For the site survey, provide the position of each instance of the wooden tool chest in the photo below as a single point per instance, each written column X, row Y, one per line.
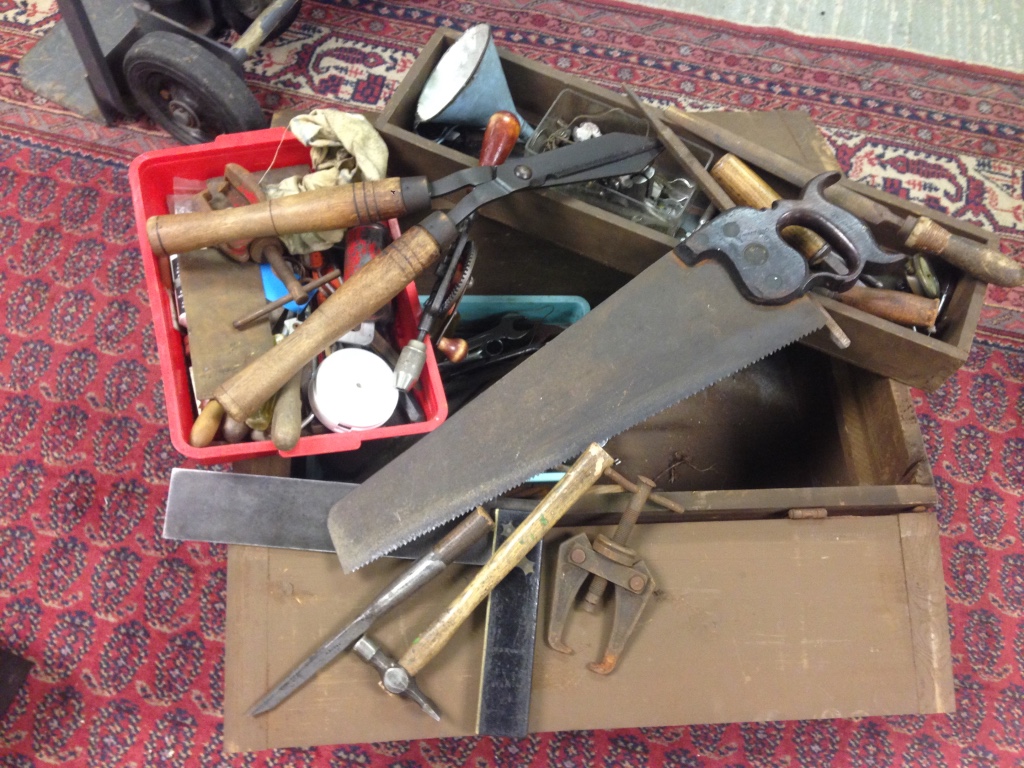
column 878, row 345
column 806, row 581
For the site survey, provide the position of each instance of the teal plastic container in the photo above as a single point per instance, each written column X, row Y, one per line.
column 556, row 310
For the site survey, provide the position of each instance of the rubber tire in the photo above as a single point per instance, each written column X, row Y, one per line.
column 239, row 21
column 168, row 73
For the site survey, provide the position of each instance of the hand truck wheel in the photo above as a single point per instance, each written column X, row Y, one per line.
column 187, row 90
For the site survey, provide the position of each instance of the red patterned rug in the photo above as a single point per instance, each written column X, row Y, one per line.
column 126, row 630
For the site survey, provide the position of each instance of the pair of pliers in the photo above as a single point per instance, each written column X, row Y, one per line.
column 611, row 155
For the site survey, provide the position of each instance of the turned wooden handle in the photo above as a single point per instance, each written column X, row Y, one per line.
column 744, row 186
column 367, row 291
column 314, row 211
column 500, row 138
column 286, row 424
column 205, row 427
column 587, row 470
column 900, row 307
column 977, row 259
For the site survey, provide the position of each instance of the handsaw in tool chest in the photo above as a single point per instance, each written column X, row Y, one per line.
column 590, row 383
column 727, row 297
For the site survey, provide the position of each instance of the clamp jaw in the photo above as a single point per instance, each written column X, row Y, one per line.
column 610, row 561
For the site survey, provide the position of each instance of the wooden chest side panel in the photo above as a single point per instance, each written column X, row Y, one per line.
column 754, row 620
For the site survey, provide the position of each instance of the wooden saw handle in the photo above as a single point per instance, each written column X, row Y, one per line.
column 314, row 211
column 587, row 470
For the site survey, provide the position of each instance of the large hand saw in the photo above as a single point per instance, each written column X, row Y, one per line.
column 727, row 297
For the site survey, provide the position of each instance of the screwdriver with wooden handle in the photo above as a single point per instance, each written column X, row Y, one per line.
column 747, row 188
column 889, row 228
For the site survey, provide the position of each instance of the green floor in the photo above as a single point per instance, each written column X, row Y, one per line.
column 987, row 32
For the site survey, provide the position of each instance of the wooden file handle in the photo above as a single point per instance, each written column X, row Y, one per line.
column 587, row 470
column 746, row 187
column 314, row 211
column 364, row 293
column 899, row 307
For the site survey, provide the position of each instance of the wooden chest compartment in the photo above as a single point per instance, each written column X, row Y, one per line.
column 763, row 612
column 878, row 345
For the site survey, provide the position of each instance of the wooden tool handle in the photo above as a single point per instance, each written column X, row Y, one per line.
column 974, row 258
column 464, row 535
column 314, row 211
column 500, row 138
column 900, row 307
column 286, row 423
column 367, row 291
column 744, row 186
column 587, row 470
column 205, row 427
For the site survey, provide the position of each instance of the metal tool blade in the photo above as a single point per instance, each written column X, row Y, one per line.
column 312, row 664
column 506, row 677
column 614, row 154
column 266, row 511
column 670, row 332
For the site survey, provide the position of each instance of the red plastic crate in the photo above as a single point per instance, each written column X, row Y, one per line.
column 152, row 176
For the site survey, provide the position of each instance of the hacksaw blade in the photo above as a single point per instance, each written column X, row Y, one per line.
column 670, row 332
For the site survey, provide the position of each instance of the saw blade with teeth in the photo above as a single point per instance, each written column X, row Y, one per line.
column 669, row 333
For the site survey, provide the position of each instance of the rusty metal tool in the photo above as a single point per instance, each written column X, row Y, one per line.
column 585, row 471
column 403, row 260
column 910, row 232
column 682, row 154
column 307, row 288
column 607, row 560
column 723, row 299
column 471, row 530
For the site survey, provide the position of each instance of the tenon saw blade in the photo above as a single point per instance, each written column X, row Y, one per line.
column 670, row 332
